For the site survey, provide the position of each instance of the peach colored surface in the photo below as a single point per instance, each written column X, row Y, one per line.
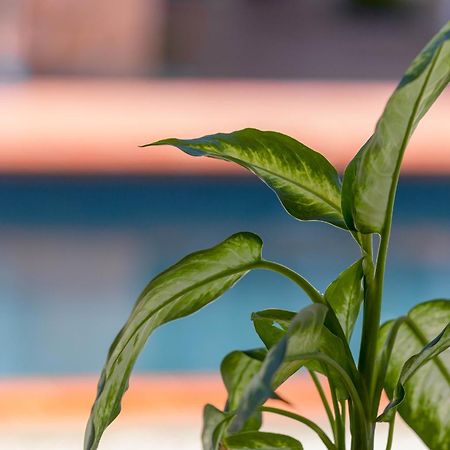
column 46, row 398
column 89, row 126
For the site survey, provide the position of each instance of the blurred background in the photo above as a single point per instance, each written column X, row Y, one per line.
column 87, row 218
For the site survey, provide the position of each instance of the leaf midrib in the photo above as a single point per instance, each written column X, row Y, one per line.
column 333, row 205
column 420, row 336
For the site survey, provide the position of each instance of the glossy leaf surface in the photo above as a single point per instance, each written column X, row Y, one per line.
column 345, row 295
column 422, row 391
column 307, row 185
column 272, row 324
column 237, row 369
column 260, row 440
column 181, row 290
column 305, row 335
column 214, row 424
column 371, row 177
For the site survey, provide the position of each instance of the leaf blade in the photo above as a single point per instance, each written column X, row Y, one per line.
column 371, row 177
column 307, row 185
column 425, row 408
column 438, row 345
column 303, row 336
column 214, row 423
column 261, row 440
column 237, row 370
column 345, row 295
column 187, row 286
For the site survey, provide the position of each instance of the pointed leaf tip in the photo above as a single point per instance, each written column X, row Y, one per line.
column 307, row 185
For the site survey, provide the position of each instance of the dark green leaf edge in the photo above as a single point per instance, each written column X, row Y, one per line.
column 431, row 351
column 261, row 440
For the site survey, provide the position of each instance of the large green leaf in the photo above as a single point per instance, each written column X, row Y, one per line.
column 306, row 334
column 306, row 183
column 371, row 177
column 345, row 295
column 272, row 325
column 260, row 440
column 426, row 406
column 214, row 424
column 439, row 344
column 181, row 290
column 237, row 369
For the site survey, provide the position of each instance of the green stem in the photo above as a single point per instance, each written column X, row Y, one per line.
column 316, row 297
column 343, row 417
column 305, row 285
column 340, row 435
column 348, row 384
column 371, row 324
column 390, row 433
column 385, row 356
column 324, row 400
column 371, row 321
column 309, row 423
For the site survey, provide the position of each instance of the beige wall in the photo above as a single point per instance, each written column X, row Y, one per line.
column 93, row 37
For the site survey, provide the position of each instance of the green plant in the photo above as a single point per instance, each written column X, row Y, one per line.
column 401, row 356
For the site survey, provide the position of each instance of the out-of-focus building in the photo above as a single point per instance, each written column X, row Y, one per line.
column 360, row 39
column 82, row 37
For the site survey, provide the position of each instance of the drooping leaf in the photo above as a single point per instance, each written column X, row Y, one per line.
column 307, row 185
column 439, row 344
column 214, row 424
column 421, row 391
column 272, row 324
column 237, row 369
column 372, row 175
column 305, row 335
column 345, row 295
column 261, row 440
column 181, row 290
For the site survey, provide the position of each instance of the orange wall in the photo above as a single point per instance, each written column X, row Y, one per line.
column 59, row 126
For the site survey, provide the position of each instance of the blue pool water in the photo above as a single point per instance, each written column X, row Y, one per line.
column 75, row 253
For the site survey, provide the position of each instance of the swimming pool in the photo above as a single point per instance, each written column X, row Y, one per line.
column 76, row 251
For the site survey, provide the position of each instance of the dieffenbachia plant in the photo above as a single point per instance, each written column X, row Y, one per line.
column 404, row 357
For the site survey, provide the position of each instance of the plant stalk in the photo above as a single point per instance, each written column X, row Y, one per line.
column 324, row 400
column 304, row 420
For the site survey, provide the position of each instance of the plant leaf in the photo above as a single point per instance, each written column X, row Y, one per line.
column 273, row 324
column 345, row 295
column 181, row 290
column 214, row 424
column 307, row 185
column 304, row 335
column 260, row 440
column 421, row 396
column 237, row 369
column 372, row 175
column 439, row 344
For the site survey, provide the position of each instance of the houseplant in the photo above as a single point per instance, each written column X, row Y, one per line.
column 404, row 356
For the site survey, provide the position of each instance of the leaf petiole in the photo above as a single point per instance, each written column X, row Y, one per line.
column 304, row 420
column 324, row 400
